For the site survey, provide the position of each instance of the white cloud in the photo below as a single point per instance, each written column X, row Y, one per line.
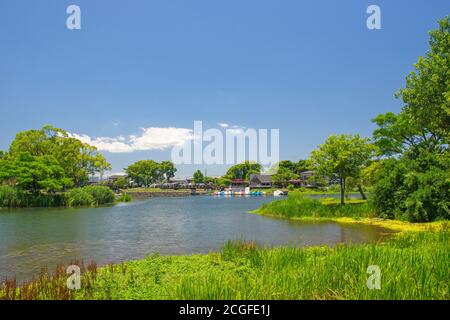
column 223, row 125
column 236, row 130
column 153, row 138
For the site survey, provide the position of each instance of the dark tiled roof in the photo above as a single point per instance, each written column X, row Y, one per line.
column 263, row 178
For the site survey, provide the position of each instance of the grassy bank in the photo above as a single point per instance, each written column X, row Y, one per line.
column 413, row 265
column 297, row 207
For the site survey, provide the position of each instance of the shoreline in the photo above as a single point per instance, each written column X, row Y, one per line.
column 394, row 225
column 171, row 275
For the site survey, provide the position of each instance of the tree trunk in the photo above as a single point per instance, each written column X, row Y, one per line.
column 361, row 191
column 342, row 184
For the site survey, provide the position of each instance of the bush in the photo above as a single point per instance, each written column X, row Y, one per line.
column 101, row 194
column 79, row 197
column 412, row 190
column 10, row 197
column 291, row 187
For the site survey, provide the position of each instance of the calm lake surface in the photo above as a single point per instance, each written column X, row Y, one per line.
column 31, row 239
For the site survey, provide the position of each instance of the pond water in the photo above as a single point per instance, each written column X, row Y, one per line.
column 31, row 239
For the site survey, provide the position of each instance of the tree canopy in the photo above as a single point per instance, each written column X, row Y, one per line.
column 424, row 121
column 34, row 173
column 415, row 179
column 77, row 159
column 49, row 160
column 243, row 170
column 283, row 175
column 147, row 172
column 295, row 167
column 198, row 177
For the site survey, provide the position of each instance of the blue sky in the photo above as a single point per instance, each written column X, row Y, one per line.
column 309, row 68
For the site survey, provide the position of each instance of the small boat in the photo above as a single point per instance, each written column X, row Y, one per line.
column 239, row 193
column 279, row 193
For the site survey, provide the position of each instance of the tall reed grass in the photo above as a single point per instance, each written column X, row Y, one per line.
column 89, row 196
column 11, row 197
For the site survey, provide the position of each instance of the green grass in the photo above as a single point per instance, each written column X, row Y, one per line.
column 413, row 265
column 296, row 205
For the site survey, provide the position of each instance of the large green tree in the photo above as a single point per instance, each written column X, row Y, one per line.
column 342, row 156
column 167, row 170
column 144, row 172
column 77, row 159
column 147, row 172
column 415, row 181
column 424, row 121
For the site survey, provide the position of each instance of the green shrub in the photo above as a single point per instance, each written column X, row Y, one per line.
column 100, row 194
column 291, row 187
column 412, row 190
column 79, row 197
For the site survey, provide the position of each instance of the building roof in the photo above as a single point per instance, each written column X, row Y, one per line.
column 263, row 178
